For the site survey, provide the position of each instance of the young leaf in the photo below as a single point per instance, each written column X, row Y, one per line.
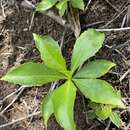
column 47, row 108
column 32, row 74
column 103, row 112
column 85, row 47
column 45, row 5
column 50, row 52
column 78, row 4
column 62, row 6
column 63, row 103
column 115, row 118
column 95, row 69
column 99, row 91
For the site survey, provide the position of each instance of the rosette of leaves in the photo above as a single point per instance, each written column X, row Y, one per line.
column 61, row 5
column 60, row 102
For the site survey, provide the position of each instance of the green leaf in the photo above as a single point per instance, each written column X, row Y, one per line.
column 47, row 108
column 85, row 47
column 45, row 5
column 115, row 118
column 50, row 52
column 78, row 4
column 103, row 112
column 95, row 69
column 99, row 91
column 62, row 6
column 63, row 103
column 32, row 74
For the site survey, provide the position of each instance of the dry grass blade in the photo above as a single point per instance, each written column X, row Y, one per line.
column 113, row 29
column 20, row 119
column 128, row 16
column 114, row 7
column 16, row 97
column 124, row 75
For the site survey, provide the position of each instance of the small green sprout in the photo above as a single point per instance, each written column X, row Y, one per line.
column 60, row 102
column 61, row 5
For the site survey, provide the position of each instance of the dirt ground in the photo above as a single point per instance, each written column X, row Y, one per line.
column 18, row 22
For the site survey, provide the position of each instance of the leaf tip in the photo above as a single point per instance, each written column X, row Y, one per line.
column 94, row 31
column 123, row 105
column 39, row 7
column 113, row 64
column 3, row 78
column 34, row 35
column 83, row 8
column 36, row 38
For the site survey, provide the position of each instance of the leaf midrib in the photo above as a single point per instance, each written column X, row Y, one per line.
column 39, row 76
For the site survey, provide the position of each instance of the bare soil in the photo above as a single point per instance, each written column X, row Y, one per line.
column 17, row 46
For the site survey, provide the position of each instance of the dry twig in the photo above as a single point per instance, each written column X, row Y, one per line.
column 58, row 19
column 114, row 7
column 113, row 29
column 123, row 22
column 89, row 2
column 20, row 119
column 17, row 96
column 32, row 18
column 3, row 4
column 108, row 125
column 92, row 24
column 124, row 75
column 115, row 17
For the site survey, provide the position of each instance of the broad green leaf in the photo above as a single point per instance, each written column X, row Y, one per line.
column 50, row 52
column 47, row 108
column 85, row 47
column 62, row 6
column 103, row 111
column 99, row 91
column 95, row 69
column 78, row 4
column 32, row 74
column 115, row 118
column 45, row 5
column 63, row 103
